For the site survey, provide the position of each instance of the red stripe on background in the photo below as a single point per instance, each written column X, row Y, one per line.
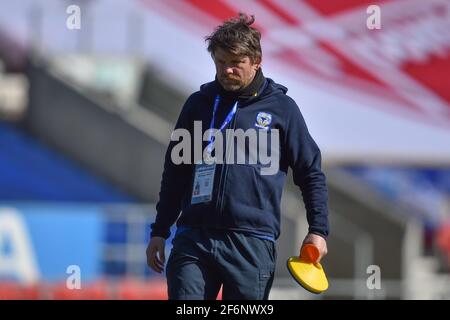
column 352, row 69
column 279, row 12
column 330, row 7
column 218, row 10
column 349, row 67
column 215, row 8
column 294, row 60
column 434, row 74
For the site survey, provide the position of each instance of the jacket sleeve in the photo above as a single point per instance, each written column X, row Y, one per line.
column 174, row 183
column 304, row 158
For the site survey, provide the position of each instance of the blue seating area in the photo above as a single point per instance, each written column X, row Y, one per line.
column 30, row 171
column 425, row 190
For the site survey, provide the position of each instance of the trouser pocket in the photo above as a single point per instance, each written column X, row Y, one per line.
column 265, row 283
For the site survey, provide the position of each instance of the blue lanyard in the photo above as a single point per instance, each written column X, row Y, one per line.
column 225, row 122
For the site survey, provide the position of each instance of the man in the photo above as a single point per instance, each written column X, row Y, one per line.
column 230, row 212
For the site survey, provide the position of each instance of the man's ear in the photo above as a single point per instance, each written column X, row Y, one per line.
column 257, row 63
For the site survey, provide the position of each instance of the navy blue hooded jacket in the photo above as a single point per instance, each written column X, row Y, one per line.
column 243, row 199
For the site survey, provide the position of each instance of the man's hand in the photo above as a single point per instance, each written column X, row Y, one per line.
column 155, row 254
column 319, row 242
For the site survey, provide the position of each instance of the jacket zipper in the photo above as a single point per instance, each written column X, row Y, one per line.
column 224, row 171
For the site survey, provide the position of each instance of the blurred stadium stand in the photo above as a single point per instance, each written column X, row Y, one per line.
column 13, row 95
column 124, row 144
column 31, row 172
column 84, row 149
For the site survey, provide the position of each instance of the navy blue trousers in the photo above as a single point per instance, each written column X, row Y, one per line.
column 201, row 261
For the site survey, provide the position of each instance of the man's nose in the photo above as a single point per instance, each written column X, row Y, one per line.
column 228, row 70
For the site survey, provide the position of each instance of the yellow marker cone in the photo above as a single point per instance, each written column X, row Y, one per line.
column 307, row 271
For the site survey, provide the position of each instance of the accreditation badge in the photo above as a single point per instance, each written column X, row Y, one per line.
column 203, row 183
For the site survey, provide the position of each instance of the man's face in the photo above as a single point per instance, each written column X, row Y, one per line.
column 234, row 72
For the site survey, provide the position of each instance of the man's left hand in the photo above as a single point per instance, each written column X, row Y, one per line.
column 319, row 242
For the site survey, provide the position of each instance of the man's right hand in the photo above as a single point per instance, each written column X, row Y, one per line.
column 155, row 254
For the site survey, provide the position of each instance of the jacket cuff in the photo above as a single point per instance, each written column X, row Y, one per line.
column 318, row 232
column 158, row 231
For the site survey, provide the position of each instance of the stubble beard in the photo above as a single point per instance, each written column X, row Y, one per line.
column 231, row 85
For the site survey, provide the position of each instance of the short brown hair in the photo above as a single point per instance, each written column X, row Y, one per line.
column 237, row 36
